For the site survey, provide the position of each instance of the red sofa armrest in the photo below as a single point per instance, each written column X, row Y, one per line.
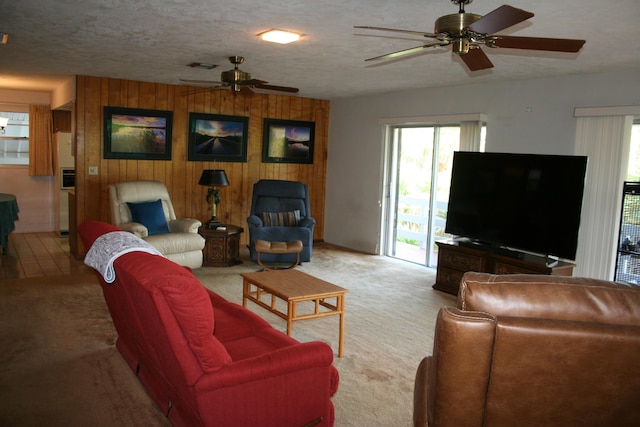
column 283, row 361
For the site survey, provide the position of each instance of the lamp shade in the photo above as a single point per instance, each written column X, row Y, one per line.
column 214, row 178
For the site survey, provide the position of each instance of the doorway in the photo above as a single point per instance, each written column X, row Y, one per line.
column 420, row 159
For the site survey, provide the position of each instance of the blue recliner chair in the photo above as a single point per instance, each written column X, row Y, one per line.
column 280, row 213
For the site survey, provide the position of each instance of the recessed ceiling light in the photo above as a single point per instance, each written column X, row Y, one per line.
column 279, row 36
column 202, row 65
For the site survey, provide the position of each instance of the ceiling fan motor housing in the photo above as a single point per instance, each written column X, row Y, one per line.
column 453, row 28
column 235, row 76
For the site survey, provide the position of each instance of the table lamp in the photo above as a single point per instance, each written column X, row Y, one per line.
column 213, row 178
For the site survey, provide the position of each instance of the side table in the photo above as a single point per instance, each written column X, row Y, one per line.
column 222, row 247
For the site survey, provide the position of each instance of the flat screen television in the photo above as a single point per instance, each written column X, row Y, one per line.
column 522, row 202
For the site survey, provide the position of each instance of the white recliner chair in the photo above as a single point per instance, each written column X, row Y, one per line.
column 144, row 208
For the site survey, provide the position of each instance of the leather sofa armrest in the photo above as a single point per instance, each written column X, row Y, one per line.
column 254, row 221
column 184, row 225
column 420, row 400
column 461, row 366
column 135, row 228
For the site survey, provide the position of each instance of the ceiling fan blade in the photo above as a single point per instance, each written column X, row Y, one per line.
column 405, row 52
column 246, row 90
column 476, row 60
column 254, row 82
column 420, row 33
column 200, row 82
column 278, row 88
column 499, row 19
column 538, row 43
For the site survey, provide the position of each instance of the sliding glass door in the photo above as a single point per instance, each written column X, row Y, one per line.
column 419, row 164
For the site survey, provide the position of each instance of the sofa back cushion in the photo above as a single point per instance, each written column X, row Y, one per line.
column 550, row 297
column 270, row 195
column 190, row 306
column 175, row 315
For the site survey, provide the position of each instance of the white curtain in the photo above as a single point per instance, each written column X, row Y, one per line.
column 470, row 136
column 606, row 141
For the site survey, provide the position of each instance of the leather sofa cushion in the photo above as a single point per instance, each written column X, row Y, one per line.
column 583, row 377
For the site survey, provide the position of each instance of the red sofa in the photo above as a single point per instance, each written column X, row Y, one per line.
column 206, row 361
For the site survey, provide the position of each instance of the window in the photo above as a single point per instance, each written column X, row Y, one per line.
column 14, row 142
column 633, row 172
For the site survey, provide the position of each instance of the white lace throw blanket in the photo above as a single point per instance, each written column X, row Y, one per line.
column 108, row 247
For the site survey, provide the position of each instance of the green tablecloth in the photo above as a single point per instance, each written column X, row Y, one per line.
column 8, row 214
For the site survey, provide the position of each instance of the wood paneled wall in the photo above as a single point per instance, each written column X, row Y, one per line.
column 180, row 175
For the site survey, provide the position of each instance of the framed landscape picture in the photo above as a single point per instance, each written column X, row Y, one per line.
column 214, row 137
column 288, row 141
column 132, row 133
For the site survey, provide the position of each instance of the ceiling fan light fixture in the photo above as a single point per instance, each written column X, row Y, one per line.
column 461, row 46
column 279, row 36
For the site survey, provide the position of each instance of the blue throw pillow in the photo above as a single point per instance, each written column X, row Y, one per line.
column 151, row 215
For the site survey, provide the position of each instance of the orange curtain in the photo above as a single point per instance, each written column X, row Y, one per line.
column 41, row 150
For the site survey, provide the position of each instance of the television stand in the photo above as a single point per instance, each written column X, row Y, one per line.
column 500, row 250
column 456, row 258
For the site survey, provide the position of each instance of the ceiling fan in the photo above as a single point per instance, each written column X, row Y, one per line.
column 239, row 81
column 467, row 32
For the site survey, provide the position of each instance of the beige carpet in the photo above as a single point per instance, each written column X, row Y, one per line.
column 59, row 365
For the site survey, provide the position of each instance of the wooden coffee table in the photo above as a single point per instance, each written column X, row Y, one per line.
column 293, row 287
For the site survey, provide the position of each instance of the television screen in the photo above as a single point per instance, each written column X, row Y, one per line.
column 527, row 202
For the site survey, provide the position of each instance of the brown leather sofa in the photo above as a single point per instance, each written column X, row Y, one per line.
column 532, row 350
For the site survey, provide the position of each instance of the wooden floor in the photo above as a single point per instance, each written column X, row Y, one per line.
column 38, row 255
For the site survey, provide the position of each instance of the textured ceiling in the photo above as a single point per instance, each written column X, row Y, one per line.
column 154, row 41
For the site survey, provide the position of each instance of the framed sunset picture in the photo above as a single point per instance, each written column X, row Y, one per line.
column 215, row 137
column 288, row 141
column 132, row 133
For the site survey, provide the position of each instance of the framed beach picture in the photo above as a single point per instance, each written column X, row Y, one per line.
column 132, row 133
column 214, row 137
column 288, row 141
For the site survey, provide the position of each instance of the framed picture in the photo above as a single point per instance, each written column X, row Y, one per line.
column 216, row 137
column 288, row 141
column 132, row 133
